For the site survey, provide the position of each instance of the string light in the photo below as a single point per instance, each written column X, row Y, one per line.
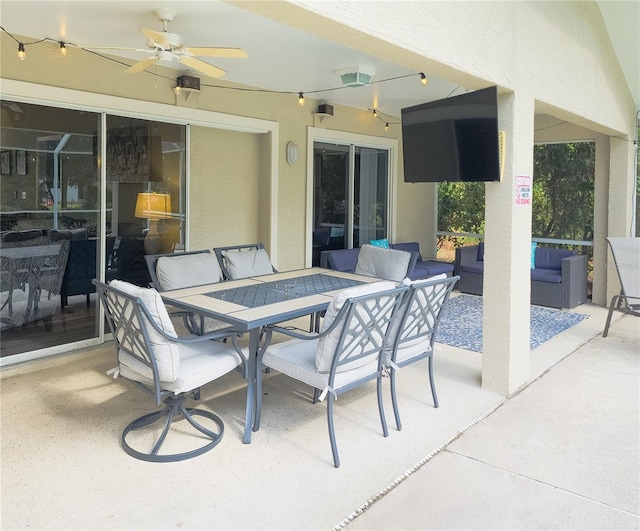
column 423, row 79
column 301, row 98
column 22, row 54
column 386, row 126
column 63, row 48
column 377, row 114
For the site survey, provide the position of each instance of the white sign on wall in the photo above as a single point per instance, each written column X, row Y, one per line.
column 523, row 190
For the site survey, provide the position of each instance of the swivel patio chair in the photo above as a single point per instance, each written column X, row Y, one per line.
column 183, row 270
column 346, row 354
column 242, row 261
column 412, row 336
column 151, row 355
column 626, row 255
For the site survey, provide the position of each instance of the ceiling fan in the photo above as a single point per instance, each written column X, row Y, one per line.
column 166, row 46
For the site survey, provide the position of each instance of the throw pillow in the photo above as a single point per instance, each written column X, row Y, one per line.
column 384, row 243
column 243, row 264
column 534, row 245
column 389, row 264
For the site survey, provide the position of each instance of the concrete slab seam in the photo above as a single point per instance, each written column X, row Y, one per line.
column 386, row 490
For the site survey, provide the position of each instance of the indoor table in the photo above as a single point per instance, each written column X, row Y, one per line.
column 252, row 303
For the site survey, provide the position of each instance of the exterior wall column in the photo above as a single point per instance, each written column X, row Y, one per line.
column 507, row 258
column 600, row 213
column 621, row 161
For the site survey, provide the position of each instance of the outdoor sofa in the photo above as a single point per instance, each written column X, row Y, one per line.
column 558, row 276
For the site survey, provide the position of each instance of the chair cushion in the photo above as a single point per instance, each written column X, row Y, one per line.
column 166, row 352
column 243, row 264
column 534, row 245
column 68, row 234
column 183, row 271
column 328, row 344
column 474, row 267
column 480, row 257
column 389, row 264
column 434, row 267
column 546, row 275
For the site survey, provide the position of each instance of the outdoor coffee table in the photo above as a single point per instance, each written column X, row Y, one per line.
column 253, row 303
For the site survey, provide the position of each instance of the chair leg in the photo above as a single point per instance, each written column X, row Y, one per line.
column 316, row 396
column 612, row 306
column 383, row 419
column 432, row 383
column 174, row 409
column 256, row 420
column 332, row 434
column 394, row 399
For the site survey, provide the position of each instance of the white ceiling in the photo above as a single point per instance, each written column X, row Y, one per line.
column 280, row 57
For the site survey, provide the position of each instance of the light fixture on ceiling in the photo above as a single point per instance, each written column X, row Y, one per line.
column 356, row 76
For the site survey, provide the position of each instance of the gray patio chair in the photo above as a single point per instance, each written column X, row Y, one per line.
column 344, row 355
column 412, row 336
column 389, row 264
column 151, row 355
column 183, row 270
column 626, row 255
column 242, row 261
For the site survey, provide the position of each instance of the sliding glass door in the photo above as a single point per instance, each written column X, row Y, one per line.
column 350, row 196
column 59, row 233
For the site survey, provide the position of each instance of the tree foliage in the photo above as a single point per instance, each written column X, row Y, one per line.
column 563, row 196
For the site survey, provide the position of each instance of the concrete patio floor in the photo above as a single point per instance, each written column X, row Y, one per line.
column 563, row 453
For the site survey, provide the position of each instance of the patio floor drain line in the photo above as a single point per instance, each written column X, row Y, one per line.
column 381, row 494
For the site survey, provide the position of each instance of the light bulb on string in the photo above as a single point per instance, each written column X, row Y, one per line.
column 301, row 98
column 63, row 48
column 386, row 126
column 423, row 79
column 22, row 54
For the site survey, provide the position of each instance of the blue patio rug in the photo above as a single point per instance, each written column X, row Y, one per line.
column 461, row 323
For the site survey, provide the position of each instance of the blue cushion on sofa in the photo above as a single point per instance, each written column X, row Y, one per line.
column 383, row 243
column 550, row 258
column 474, row 267
column 410, row 247
column 553, row 276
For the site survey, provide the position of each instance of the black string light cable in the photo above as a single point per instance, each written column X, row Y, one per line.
column 386, row 118
column 300, row 94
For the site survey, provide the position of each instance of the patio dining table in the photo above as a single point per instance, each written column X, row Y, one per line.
column 252, row 303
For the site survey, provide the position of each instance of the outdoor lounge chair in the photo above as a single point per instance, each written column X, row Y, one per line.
column 184, row 270
column 151, row 355
column 242, row 261
column 411, row 337
column 346, row 354
column 626, row 255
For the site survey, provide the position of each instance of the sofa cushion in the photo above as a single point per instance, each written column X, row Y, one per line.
column 553, row 276
column 410, row 247
column 384, row 243
column 343, row 259
column 327, row 344
column 389, row 264
column 434, row 267
column 550, row 258
column 534, row 245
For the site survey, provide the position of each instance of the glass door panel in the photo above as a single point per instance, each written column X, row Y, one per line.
column 370, row 205
column 49, row 209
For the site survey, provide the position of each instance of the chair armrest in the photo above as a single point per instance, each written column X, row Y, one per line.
column 465, row 255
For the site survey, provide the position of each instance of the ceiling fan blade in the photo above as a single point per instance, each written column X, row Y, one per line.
column 116, row 48
column 201, row 66
column 234, row 53
column 141, row 65
column 157, row 38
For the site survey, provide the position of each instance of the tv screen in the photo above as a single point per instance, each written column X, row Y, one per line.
column 453, row 139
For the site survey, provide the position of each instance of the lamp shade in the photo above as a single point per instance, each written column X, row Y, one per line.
column 153, row 206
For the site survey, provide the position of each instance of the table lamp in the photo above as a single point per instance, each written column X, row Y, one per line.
column 153, row 206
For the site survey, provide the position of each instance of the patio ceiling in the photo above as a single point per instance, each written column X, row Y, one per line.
column 281, row 58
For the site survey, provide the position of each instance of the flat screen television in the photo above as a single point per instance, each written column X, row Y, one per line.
column 453, row 139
